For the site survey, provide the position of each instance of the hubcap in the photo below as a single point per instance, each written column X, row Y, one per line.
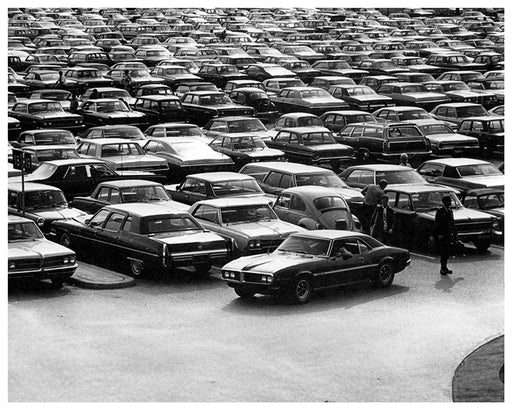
column 302, row 289
column 385, row 272
column 65, row 241
column 137, row 267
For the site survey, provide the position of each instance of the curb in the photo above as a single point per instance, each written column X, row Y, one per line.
column 478, row 378
column 99, row 278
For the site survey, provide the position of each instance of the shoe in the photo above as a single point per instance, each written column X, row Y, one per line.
column 446, row 272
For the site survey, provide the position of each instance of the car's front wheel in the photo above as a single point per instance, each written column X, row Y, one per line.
column 203, row 270
column 301, row 289
column 65, row 240
column 136, row 267
column 385, row 276
column 57, row 283
column 482, row 245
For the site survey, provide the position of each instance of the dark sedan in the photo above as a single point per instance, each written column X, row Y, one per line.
column 307, row 99
column 360, row 97
column 305, row 262
column 110, row 111
column 160, row 108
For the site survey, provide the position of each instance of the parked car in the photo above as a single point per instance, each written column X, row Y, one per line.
column 454, row 61
column 202, row 106
column 360, row 97
column 243, row 149
column 377, row 81
column 219, row 74
column 415, row 207
column 311, row 145
column 275, row 84
column 360, row 176
column 274, row 177
column 173, row 75
column 490, row 131
column 80, row 176
column 462, row 173
column 380, row 66
column 307, row 99
column 268, row 71
column 110, row 111
column 237, row 125
column 458, row 91
column 125, row 192
column 385, row 140
column 412, row 94
column 34, row 114
column 86, row 77
column 210, row 185
column 305, row 262
column 146, row 237
column 42, row 153
column 46, row 136
column 249, row 222
column 186, row 155
column 126, row 132
column 42, row 204
column 258, row 99
column 32, row 257
column 176, row 129
column 398, row 114
column 488, row 200
column 63, row 97
column 457, row 112
column 335, row 121
column 339, row 68
column 160, row 108
column 315, row 207
column 122, row 155
column 445, row 141
column 108, row 92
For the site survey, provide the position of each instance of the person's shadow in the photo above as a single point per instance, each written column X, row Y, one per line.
column 446, row 283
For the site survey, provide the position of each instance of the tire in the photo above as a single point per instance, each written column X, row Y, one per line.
column 65, row 240
column 301, row 289
column 482, row 245
column 57, row 283
column 244, row 293
column 203, row 270
column 385, row 276
column 136, row 267
column 364, row 155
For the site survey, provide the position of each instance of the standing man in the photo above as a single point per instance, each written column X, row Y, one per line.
column 381, row 225
column 372, row 195
column 445, row 233
column 404, row 160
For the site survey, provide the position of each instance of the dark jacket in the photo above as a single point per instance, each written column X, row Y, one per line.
column 444, row 224
column 377, row 222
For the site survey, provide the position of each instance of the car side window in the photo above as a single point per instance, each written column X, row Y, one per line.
column 471, row 201
column 403, row 202
column 297, row 204
column 128, row 224
column 76, row 172
column 363, row 248
column 13, row 199
column 477, row 126
column 207, row 213
column 99, row 218
column 465, row 126
column 114, row 196
column 114, row 222
column 431, row 170
column 366, row 177
column 273, row 178
column 451, row 172
column 352, row 246
column 194, row 185
column 100, row 170
column 103, row 194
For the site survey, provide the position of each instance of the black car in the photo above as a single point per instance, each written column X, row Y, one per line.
column 173, row 76
column 266, row 71
column 412, row 94
column 335, row 121
column 160, row 108
column 360, row 97
column 258, row 99
column 45, row 114
column 311, row 145
column 111, row 111
column 380, row 66
column 202, row 106
column 488, row 200
column 490, row 131
column 219, row 74
column 80, row 176
column 454, row 61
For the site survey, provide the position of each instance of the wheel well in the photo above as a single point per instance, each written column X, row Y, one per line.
column 388, row 259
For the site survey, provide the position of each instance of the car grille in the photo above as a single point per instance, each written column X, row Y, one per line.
column 463, row 227
column 27, row 264
column 229, row 112
column 52, row 262
column 267, row 245
column 62, row 122
column 252, row 277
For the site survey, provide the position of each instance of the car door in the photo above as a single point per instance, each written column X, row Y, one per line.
column 76, row 181
column 88, row 236
column 347, row 262
column 282, row 206
column 107, row 235
column 191, row 191
column 297, row 210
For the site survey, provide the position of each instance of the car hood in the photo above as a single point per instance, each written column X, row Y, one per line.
column 139, row 161
column 119, row 114
column 265, row 229
column 463, row 215
column 270, row 263
column 63, row 213
column 497, row 181
column 450, row 138
column 59, row 115
column 264, row 152
column 427, row 96
column 372, row 98
column 36, row 249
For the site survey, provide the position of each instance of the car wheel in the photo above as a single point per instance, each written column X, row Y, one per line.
column 244, row 293
column 482, row 245
column 384, row 276
column 301, row 289
column 65, row 240
column 57, row 283
column 364, row 155
column 136, row 267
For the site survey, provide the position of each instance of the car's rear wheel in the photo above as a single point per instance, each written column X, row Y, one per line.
column 203, row 270
column 244, row 293
column 301, row 289
column 65, row 240
column 136, row 267
column 482, row 245
column 385, row 276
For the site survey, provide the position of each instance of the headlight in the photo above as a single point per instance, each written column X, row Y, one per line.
column 65, row 260
column 496, row 225
column 12, row 265
column 254, row 244
column 72, row 259
column 40, row 222
column 266, row 278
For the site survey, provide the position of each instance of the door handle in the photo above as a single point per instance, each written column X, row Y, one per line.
column 360, row 259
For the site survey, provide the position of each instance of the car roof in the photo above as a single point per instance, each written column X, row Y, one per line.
column 313, row 191
column 220, row 176
column 484, row 191
column 235, row 117
column 456, row 162
column 329, row 234
column 143, row 209
column 458, row 104
column 349, row 112
column 47, row 147
column 304, row 130
column 417, row 188
column 109, row 141
column 484, row 118
column 234, row 201
column 159, row 97
column 290, row 167
column 381, row 167
column 124, row 183
column 76, row 161
column 31, row 186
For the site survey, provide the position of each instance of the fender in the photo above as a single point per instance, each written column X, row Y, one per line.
column 309, row 223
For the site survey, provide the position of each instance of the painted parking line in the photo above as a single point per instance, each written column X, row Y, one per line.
column 498, row 247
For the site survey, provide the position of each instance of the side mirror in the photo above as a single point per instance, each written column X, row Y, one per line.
column 87, row 221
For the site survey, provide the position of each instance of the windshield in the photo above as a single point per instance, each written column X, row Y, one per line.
column 178, row 132
column 427, row 201
column 413, row 89
column 129, row 132
column 413, row 115
column 246, row 125
column 23, row 231
column 45, row 107
column 237, row 187
column 434, row 129
column 247, row 143
column 144, row 194
column 490, row 201
column 112, row 150
column 315, row 93
column 111, row 106
column 44, row 199
column 360, row 91
column 471, row 111
column 318, row 138
column 303, row 245
column 478, row 169
column 455, row 86
column 45, row 170
column 404, row 132
column 54, row 137
column 496, row 85
column 55, row 153
column 400, row 177
column 329, row 202
column 350, row 119
column 167, row 223
column 115, row 94
column 215, row 99
column 327, row 179
column 249, row 213
column 49, row 76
